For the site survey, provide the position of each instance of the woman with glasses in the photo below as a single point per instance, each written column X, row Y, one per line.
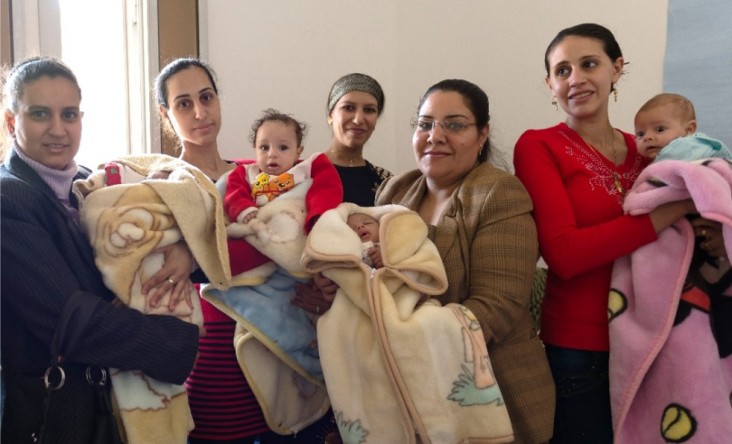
column 480, row 221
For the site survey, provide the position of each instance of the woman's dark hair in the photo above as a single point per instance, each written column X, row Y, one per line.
column 475, row 99
column 589, row 30
column 29, row 70
column 174, row 67
column 269, row 115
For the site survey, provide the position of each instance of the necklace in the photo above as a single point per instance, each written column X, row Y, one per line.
column 614, row 172
column 353, row 161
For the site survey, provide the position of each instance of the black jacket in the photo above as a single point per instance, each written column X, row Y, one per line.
column 45, row 259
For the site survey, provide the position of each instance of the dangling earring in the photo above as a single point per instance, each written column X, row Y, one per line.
column 615, row 93
column 554, row 102
column 330, row 121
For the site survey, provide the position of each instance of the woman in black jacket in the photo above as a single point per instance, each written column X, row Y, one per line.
column 47, row 260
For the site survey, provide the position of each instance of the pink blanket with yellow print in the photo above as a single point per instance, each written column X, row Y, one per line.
column 670, row 370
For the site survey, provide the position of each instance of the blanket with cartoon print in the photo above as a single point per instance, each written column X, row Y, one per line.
column 398, row 366
column 127, row 217
column 669, row 314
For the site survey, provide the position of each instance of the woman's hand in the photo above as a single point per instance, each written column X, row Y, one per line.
column 172, row 277
column 712, row 240
column 317, row 295
column 665, row 215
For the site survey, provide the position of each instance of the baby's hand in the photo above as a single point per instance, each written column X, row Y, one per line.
column 159, row 175
column 249, row 216
column 375, row 255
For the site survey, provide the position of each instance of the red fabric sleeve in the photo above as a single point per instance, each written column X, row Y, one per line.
column 238, row 196
column 571, row 248
column 325, row 193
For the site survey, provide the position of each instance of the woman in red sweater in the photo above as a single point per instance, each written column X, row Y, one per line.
column 577, row 173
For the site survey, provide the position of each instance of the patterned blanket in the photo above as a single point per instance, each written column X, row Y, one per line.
column 125, row 223
column 398, row 366
column 670, row 344
column 275, row 341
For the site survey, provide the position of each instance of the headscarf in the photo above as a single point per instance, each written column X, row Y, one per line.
column 355, row 82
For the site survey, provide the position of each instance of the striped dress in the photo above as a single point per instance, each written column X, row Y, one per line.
column 222, row 403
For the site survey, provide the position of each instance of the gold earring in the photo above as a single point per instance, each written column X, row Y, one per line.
column 554, row 102
column 615, row 93
column 330, row 121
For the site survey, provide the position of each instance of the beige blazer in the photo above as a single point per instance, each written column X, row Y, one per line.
column 487, row 239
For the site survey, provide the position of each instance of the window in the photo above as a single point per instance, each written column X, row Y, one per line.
column 107, row 45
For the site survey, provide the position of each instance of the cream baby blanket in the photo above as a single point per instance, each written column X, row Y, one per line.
column 125, row 224
column 399, row 367
column 275, row 340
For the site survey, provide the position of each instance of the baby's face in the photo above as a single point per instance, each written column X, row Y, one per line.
column 657, row 127
column 365, row 226
column 276, row 147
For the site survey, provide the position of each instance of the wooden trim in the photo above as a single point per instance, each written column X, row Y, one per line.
column 6, row 33
column 177, row 37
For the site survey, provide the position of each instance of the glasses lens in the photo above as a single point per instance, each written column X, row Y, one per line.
column 424, row 125
column 447, row 126
column 454, row 127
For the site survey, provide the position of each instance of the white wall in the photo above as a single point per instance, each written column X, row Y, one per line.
column 286, row 54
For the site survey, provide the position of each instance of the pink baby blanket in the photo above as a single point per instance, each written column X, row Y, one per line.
column 670, row 376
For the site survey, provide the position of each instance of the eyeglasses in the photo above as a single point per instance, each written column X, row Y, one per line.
column 449, row 126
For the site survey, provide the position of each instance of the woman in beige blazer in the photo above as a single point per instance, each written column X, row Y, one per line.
column 480, row 220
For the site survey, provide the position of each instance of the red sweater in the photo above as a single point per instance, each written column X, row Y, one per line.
column 582, row 229
column 324, row 193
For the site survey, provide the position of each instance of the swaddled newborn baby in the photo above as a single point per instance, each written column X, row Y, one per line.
column 367, row 228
